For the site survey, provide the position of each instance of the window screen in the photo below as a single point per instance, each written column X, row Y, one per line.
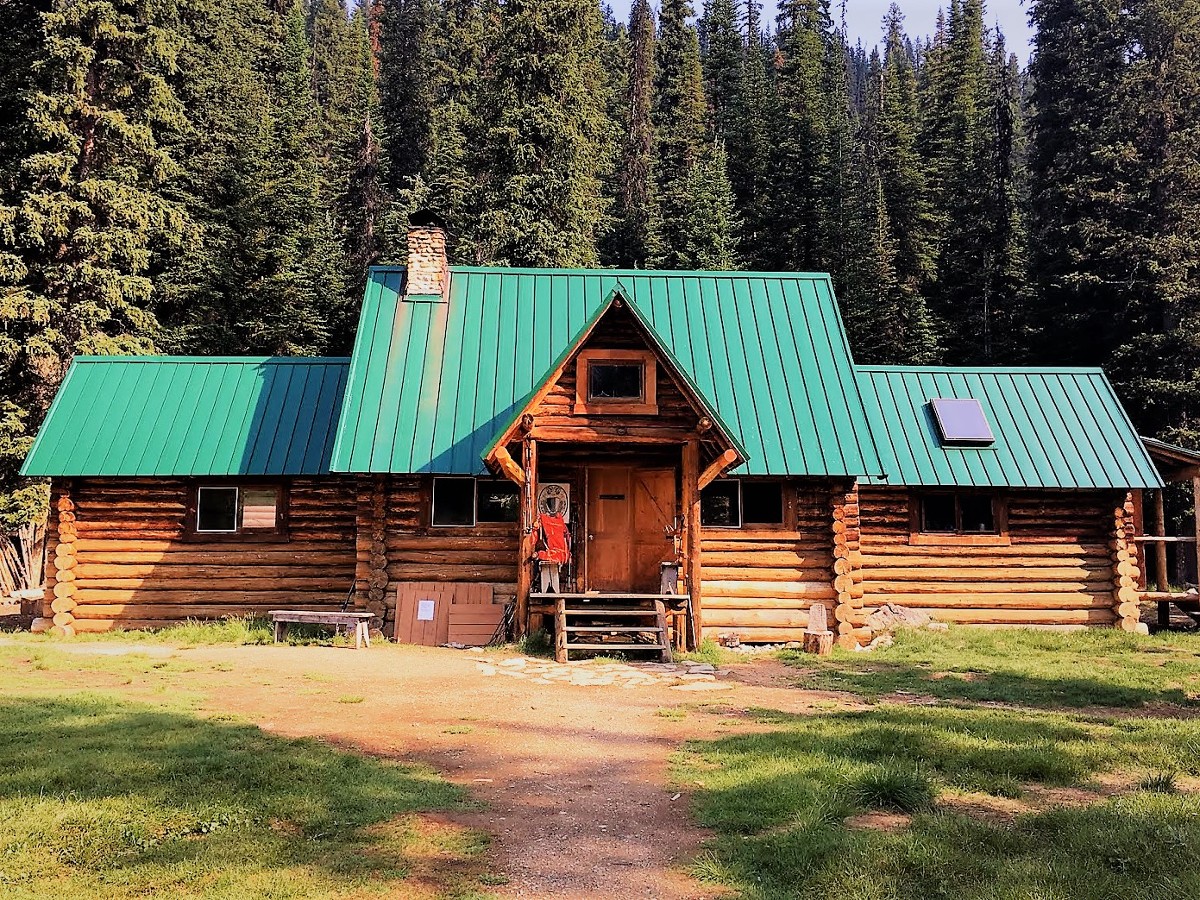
column 216, row 509
column 454, row 501
column 498, row 501
column 762, row 502
column 614, row 381
column 720, row 505
column 260, row 508
column 961, row 421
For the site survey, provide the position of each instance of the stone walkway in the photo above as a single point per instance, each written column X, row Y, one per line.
column 678, row 676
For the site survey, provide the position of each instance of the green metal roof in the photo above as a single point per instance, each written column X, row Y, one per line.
column 431, row 384
column 1054, row 428
column 176, row 415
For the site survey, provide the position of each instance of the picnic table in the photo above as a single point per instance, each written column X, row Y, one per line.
column 359, row 621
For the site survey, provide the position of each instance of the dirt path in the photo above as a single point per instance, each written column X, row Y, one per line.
column 573, row 778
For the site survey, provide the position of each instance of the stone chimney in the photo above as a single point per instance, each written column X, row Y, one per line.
column 428, row 272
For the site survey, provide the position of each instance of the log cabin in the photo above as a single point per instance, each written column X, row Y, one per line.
column 719, row 461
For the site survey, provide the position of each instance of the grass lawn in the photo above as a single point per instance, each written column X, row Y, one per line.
column 104, row 797
column 999, row 776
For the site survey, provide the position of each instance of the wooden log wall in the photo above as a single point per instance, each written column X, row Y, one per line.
column 1057, row 570
column 759, row 583
column 370, row 576
column 120, row 559
column 416, row 551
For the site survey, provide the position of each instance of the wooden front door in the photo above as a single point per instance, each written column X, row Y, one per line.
column 627, row 510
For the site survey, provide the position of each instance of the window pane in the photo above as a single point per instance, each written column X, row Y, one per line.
column 498, row 501
column 762, row 502
column 978, row 514
column 937, row 513
column 259, row 508
column 614, row 381
column 454, row 501
column 216, row 509
column 719, row 505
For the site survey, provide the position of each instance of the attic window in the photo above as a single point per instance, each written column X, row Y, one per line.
column 616, row 382
column 962, row 422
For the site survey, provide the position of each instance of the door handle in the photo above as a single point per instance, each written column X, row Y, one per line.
column 591, row 537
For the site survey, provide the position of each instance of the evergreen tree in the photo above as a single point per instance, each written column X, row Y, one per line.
column 409, row 32
column 902, row 170
column 544, row 148
column 1078, row 194
column 88, row 212
column 21, row 25
column 750, row 145
column 723, row 64
column 633, row 209
column 800, row 166
column 691, row 227
column 269, row 268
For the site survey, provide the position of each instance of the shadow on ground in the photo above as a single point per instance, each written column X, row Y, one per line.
column 102, row 798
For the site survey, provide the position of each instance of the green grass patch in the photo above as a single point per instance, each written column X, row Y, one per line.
column 101, row 798
column 779, row 802
column 708, row 652
column 1097, row 667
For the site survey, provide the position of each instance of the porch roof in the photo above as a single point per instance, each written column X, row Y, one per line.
column 432, row 384
column 1053, row 427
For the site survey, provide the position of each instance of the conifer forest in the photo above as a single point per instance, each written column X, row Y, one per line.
column 215, row 176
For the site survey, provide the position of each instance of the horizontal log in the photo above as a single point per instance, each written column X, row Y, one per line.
column 767, row 559
column 1010, row 574
column 234, row 569
column 754, row 618
column 779, row 573
column 755, row 635
column 1061, row 600
column 967, row 585
column 178, row 612
column 1021, row 616
column 808, row 590
column 279, row 598
column 482, row 543
column 331, row 581
column 411, row 571
column 764, row 602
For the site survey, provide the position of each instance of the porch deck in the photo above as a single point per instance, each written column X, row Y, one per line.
column 596, row 621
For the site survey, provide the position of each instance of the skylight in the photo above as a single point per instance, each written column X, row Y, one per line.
column 961, row 421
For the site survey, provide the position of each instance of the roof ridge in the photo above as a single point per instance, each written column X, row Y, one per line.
column 643, row 273
column 213, row 360
column 974, row 370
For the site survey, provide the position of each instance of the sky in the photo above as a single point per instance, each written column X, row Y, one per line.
column 863, row 18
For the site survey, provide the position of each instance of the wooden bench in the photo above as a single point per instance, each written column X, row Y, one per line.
column 359, row 621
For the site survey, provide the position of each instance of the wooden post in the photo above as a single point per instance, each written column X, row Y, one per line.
column 691, row 522
column 63, row 603
column 847, row 565
column 1196, row 520
column 1162, row 583
column 528, row 535
column 1125, row 567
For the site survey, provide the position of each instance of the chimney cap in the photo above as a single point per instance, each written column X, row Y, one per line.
column 425, row 218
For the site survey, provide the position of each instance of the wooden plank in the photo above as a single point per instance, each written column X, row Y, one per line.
column 692, row 538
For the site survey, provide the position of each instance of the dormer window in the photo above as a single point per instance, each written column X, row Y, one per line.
column 616, row 382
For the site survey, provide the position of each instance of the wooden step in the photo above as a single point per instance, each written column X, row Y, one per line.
column 657, row 648
column 640, row 629
column 608, row 612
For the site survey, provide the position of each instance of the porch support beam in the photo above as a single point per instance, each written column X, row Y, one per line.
column 528, row 534
column 508, row 466
column 717, row 468
column 691, row 521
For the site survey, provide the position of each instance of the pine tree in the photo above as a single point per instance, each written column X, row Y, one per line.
column 21, row 25
column 691, row 227
column 544, row 149
column 1156, row 121
column 750, row 145
column 408, row 38
column 1077, row 192
column 269, row 268
column 723, row 64
column 633, row 209
column 801, row 152
column 901, row 167
column 89, row 211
